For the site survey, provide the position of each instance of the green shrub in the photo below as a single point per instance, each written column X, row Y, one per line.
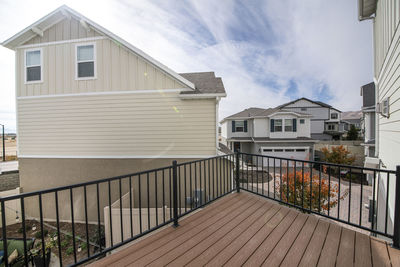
column 69, row 250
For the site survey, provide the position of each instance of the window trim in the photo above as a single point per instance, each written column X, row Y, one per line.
column 41, row 65
column 337, row 116
column 236, row 127
column 291, row 125
column 282, row 125
column 94, row 62
column 302, row 121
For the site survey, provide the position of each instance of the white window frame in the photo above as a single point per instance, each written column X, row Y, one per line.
column 291, row 125
column 94, row 62
column 302, row 121
column 41, row 65
column 282, row 125
column 236, row 127
column 337, row 116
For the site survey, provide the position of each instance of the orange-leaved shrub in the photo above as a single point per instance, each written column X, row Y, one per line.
column 338, row 155
column 299, row 189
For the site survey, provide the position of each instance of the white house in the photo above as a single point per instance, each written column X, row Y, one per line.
column 386, row 34
column 325, row 119
column 91, row 105
column 271, row 132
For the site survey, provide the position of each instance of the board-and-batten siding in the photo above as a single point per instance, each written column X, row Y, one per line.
column 66, row 29
column 117, row 70
column 154, row 124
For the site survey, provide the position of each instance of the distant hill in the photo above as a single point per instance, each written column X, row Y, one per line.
column 351, row 115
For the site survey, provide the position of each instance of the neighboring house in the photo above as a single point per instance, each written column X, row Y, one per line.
column 90, row 105
column 271, row 132
column 352, row 118
column 386, row 34
column 325, row 121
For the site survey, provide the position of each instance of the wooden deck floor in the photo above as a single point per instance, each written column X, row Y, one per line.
column 245, row 229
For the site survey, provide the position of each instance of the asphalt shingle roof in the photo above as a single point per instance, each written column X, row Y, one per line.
column 205, row 83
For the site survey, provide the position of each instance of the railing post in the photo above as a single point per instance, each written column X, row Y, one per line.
column 396, row 232
column 175, row 191
column 237, row 172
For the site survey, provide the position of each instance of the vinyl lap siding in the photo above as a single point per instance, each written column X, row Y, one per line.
column 117, row 125
column 117, row 70
column 387, row 73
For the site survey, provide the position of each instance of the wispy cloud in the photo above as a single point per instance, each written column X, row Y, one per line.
column 267, row 52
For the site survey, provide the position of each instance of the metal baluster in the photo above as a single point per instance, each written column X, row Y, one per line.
column 72, row 222
column 195, row 182
column 170, row 193
column 109, row 209
column 319, row 189
column 287, row 181
column 209, row 181
column 338, row 207
column 348, row 214
column 373, row 203
column 86, row 221
column 387, row 201
column 268, row 175
column 98, row 217
column 247, row 172
column 120, row 209
column 179, row 189
column 184, row 179
column 23, row 230
column 130, row 204
column 294, row 179
column 175, row 185
column 302, row 184
column 329, row 190
column 191, row 186
column 213, row 175
column 4, row 229
column 274, row 177
column 163, row 194
column 156, row 196
column 361, row 195
column 140, row 205
column 311, row 177
column 262, row 175
column 58, row 229
column 280, row 178
column 201, row 188
column 220, row 177
column 148, row 200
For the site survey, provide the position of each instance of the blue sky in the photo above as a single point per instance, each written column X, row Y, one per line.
column 267, row 52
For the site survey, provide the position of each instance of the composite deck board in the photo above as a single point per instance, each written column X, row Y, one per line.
column 275, row 258
column 213, row 246
column 216, row 221
column 311, row 255
column 362, row 255
column 345, row 257
column 293, row 257
column 245, row 229
column 217, row 229
column 331, row 245
column 222, row 251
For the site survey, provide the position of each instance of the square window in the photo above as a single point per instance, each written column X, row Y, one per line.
column 278, row 125
column 334, row 116
column 85, row 60
column 288, row 125
column 33, row 65
column 302, row 121
column 239, row 126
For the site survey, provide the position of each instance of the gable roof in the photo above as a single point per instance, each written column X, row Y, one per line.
column 322, row 104
column 63, row 11
column 260, row 112
column 205, row 83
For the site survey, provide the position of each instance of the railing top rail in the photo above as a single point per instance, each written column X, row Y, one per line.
column 324, row 163
column 199, row 160
column 62, row 188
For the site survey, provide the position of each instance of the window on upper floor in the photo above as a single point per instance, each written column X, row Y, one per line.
column 33, row 66
column 288, row 125
column 278, row 125
column 334, row 116
column 302, row 121
column 303, row 109
column 85, row 61
column 239, row 126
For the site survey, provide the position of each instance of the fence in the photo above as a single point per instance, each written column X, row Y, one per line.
column 162, row 196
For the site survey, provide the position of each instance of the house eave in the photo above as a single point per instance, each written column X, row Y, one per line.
column 366, row 8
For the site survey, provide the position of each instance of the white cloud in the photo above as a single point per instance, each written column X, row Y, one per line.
column 257, row 47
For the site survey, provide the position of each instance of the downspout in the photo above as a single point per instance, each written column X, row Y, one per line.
column 217, row 99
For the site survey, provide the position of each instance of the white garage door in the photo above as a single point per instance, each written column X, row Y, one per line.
column 301, row 153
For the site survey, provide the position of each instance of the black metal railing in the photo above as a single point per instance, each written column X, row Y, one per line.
column 338, row 192
column 85, row 221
